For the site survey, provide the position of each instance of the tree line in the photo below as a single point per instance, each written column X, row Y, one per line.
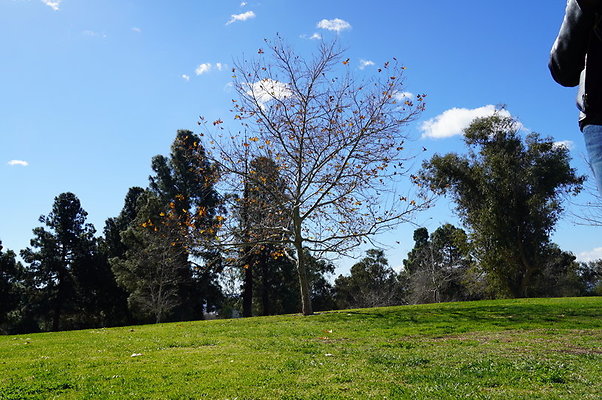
column 144, row 269
column 245, row 223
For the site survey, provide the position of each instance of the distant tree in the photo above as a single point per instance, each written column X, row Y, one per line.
column 336, row 142
column 421, row 240
column 58, row 259
column 154, row 266
column 590, row 275
column 437, row 266
column 112, row 246
column 274, row 281
column 11, row 288
column 276, row 285
column 184, row 183
column 559, row 276
column 320, row 290
column 372, row 283
column 113, row 243
column 259, row 260
column 509, row 194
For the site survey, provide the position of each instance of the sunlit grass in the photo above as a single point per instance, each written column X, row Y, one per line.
column 507, row 349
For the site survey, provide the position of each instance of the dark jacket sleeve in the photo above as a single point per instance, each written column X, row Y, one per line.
column 567, row 58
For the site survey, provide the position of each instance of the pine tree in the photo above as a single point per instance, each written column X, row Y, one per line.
column 11, row 289
column 59, row 258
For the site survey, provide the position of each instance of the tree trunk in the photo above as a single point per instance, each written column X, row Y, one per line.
column 303, row 281
column 57, row 312
column 58, row 302
column 247, row 292
column 265, row 299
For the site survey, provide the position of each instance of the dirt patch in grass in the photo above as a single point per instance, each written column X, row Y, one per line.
column 537, row 340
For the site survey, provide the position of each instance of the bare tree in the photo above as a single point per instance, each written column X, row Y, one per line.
column 158, row 293
column 338, row 146
column 590, row 212
column 155, row 268
column 433, row 277
column 437, row 266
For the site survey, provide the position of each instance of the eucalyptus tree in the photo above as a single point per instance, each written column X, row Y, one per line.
column 509, row 192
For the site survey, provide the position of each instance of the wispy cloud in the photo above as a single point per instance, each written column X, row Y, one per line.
column 94, row 34
column 54, row 4
column 366, row 63
column 243, row 3
column 315, row 36
column 208, row 67
column 241, row 17
column 185, row 77
column 136, row 29
column 453, row 122
column 336, row 25
column 20, row 163
column 592, row 255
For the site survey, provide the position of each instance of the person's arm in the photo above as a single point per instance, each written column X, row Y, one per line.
column 567, row 58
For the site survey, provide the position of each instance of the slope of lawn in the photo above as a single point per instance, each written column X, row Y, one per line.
column 507, row 349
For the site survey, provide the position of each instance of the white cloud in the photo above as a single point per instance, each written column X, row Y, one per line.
column 453, row 122
column 18, row 162
column 592, row 255
column 54, row 4
column 243, row 3
column 268, row 89
column 203, row 68
column 366, row 63
column 208, row 67
column 136, row 29
column 185, row 77
column 567, row 144
column 336, row 24
column 241, row 17
column 401, row 96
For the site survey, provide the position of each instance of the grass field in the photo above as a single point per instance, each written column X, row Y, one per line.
column 508, row 349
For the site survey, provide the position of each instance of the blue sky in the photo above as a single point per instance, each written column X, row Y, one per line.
column 91, row 90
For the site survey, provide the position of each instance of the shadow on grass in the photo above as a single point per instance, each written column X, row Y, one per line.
column 457, row 317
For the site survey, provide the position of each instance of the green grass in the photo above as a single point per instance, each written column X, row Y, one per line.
column 508, row 349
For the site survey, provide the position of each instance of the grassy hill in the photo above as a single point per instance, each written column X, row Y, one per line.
column 508, row 349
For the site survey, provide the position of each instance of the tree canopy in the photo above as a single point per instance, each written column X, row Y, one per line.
column 509, row 192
